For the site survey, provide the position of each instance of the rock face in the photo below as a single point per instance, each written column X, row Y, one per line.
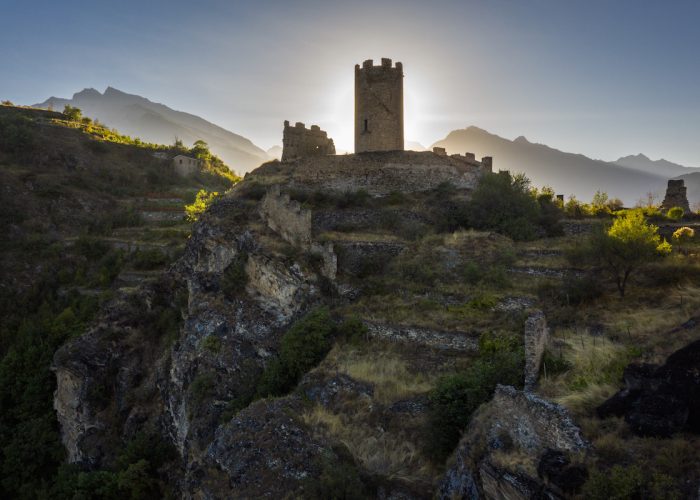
column 660, row 400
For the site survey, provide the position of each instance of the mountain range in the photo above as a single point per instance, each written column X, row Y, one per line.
column 629, row 178
column 152, row 122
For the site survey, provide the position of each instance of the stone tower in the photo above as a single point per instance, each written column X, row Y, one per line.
column 676, row 196
column 378, row 106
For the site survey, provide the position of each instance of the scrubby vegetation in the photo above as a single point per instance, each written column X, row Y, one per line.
column 457, row 396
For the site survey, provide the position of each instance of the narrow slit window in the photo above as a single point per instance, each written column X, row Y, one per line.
column 366, row 125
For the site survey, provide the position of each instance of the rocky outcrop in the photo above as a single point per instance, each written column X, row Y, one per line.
column 523, row 425
column 660, row 400
column 361, row 258
column 107, row 378
column 263, row 452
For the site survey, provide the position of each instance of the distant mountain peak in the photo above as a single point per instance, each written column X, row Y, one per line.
column 521, row 140
column 87, row 93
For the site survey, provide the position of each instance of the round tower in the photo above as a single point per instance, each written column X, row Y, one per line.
column 378, row 106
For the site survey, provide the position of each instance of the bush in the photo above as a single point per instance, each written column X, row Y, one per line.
column 503, row 203
column 675, row 213
column 456, row 397
column 339, row 479
column 72, row 113
column 203, row 200
column 301, row 348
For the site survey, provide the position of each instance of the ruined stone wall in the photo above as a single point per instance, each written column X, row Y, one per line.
column 378, row 173
column 378, row 107
column 293, row 223
column 300, row 142
column 676, row 196
column 535, row 339
column 286, row 217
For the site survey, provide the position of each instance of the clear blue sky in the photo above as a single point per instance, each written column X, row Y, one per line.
column 602, row 77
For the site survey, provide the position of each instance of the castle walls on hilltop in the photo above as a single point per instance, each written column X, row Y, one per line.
column 300, row 142
column 378, row 173
column 378, row 107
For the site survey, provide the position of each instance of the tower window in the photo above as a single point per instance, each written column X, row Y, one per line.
column 366, row 129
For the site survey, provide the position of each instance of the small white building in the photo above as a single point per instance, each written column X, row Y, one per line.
column 185, row 165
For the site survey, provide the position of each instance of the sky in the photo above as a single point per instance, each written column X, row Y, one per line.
column 605, row 78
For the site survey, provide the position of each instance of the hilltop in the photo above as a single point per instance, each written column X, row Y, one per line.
column 153, row 122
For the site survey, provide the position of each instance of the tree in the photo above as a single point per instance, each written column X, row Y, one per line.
column 504, row 203
column 626, row 246
column 200, row 149
column 72, row 113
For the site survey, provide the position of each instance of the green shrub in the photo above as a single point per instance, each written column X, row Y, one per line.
column 201, row 388
column 456, row 397
column 350, row 199
column 554, row 365
column 235, row 279
column 503, row 203
column 301, row 348
column 675, row 213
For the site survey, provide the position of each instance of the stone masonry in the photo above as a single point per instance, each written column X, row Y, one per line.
column 287, row 218
column 676, row 196
column 536, row 335
column 378, row 107
column 300, row 142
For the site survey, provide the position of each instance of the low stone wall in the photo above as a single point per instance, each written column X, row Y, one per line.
column 534, row 424
column 458, row 341
column 535, row 339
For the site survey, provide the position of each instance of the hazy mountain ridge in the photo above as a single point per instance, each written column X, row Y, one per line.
column 567, row 173
column 661, row 167
column 155, row 122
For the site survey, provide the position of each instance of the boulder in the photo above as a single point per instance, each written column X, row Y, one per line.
column 660, row 400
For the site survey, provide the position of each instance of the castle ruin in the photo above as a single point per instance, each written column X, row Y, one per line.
column 378, row 106
column 300, row 142
column 676, row 196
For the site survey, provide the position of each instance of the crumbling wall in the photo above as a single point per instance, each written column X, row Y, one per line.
column 286, row 217
column 535, row 339
column 293, row 223
column 676, row 196
column 300, row 142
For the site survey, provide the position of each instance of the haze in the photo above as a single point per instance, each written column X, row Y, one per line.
column 602, row 78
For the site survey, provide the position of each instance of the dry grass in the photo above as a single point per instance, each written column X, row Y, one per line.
column 388, row 454
column 595, row 373
column 387, row 372
column 357, row 236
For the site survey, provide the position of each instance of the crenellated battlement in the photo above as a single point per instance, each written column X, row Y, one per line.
column 386, row 64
